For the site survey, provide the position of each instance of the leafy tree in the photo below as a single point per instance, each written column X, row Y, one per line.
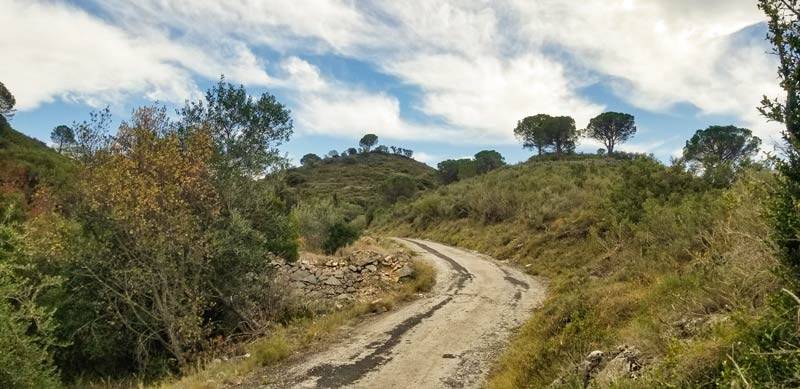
column 612, row 128
column 7, row 102
column 448, row 171
column 408, row 153
column 333, row 154
column 542, row 131
column 245, row 131
column 310, row 159
column 784, row 35
column 367, row 141
column 488, row 160
column 532, row 132
column 720, row 150
column 453, row 170
column 561, row 134
column 62, row 136
column 352, row 151
column 382, row 149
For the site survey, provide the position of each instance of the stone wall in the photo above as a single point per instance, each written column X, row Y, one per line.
column 359, row 275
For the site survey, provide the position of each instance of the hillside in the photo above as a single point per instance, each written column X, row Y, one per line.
column 646, row 263
column 26, row 162
column 357, row 179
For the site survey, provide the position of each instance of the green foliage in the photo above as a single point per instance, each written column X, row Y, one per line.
column 367, row 141
column 543, row 131
column 720, row 150
column 629, row 247
column 784, row 31
column 353, row 183
column 488, row 160
column 62, row 136
column 453, row 170
column 245, row 131
column 7, row 102
column 611, row 128
column 314, row 220
column 398, row 187
column 310, row 159
column 27, row 330
column 339, row 235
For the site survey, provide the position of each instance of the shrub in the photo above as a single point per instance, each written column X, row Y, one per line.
column 340, row 235
column 397, row 187
column 314, row 220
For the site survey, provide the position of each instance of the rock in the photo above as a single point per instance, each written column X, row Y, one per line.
column 405, row 271
column 311, row 279
column 352, row 268
column 626, row 364
column 299, row 275
column 351, row 289
column 590, row 364
column 333, row 281
column 371, row 268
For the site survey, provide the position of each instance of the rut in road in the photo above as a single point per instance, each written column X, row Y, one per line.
column 448, row 339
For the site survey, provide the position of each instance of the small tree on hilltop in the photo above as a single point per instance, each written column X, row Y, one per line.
column 62, row 136
column 720, row 150
column 531, row 131
column 7, row 102
column 368, row 141
column 310, row 159
column 333, row 154
column 561, row 134
column 611, row 128
column 488, row 160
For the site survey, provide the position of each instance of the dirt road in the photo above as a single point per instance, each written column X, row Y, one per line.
column 446, row 340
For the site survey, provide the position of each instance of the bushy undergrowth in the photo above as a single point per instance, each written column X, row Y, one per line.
column 635, row 252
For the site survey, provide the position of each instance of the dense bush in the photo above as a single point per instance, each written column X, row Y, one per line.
column 398, row 187
column 314, row 220
column 340, row 234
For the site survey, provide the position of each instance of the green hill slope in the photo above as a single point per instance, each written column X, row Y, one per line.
column 357, row 179
column 636, row 254
column 25, row 163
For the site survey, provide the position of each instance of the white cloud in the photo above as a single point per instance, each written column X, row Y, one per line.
column 480, row 66
column 58, row 51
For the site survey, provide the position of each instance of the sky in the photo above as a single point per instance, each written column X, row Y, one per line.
column 444, row 78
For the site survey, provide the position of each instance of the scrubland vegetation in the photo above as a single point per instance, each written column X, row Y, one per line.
column 632, row 250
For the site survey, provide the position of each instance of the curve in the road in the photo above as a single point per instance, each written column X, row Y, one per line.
column 445, row 340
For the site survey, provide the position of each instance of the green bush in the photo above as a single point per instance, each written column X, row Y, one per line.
column 398, row 187
column 340, row 235
column 27, row 330
column 314, row 220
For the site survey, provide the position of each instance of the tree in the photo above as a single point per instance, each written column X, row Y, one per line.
column 310, row 159
column 333, row 154
column 398, row 186
column 448, row 171
column 246, row 131
column 408, row 153
column 719, row 151
column 62, row 136
column 7, row 102
column 382, row 149
column 531, row 131
column 611, row 128
column 367, row 141
column 718, row 145
column 783, row 22
column 561, row 134
column 352, row 151
column 488, row 160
